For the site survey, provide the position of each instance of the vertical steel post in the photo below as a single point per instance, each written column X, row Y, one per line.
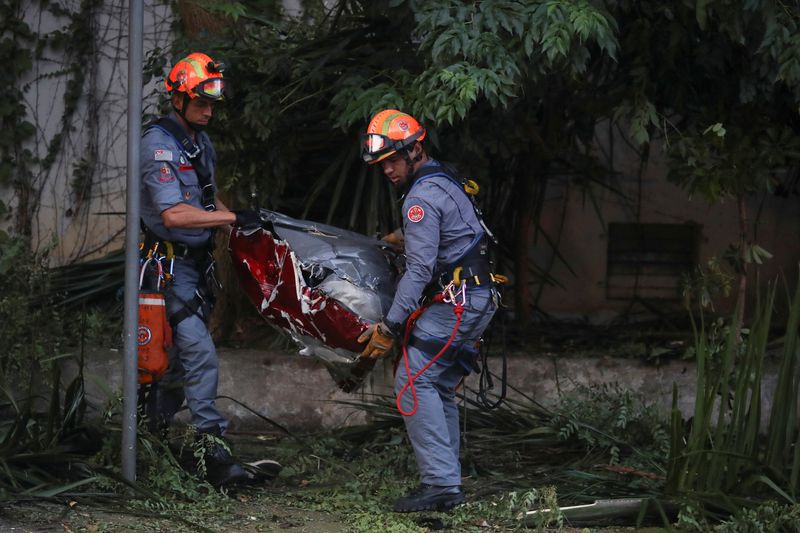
column 130, row 374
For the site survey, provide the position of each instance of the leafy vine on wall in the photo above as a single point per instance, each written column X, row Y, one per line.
column 63, row 139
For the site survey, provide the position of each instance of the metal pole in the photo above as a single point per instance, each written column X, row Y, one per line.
column 130, row 374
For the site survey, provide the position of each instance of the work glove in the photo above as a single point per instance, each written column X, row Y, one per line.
column 247, row 217
column 379, row 340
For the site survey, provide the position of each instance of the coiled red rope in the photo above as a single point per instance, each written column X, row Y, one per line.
column 458, row 309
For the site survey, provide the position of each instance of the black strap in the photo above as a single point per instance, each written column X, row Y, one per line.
column 189, row 308
column 485, row 381
column 449, row 172
column 193, row 151
column 432, row 346
column 179, row 249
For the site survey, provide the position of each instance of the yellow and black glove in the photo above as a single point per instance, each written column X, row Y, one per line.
column 379, row 340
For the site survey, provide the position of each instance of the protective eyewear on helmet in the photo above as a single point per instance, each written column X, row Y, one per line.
column 375, row 146
column 212, row 88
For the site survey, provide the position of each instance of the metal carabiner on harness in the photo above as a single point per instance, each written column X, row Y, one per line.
column 450, row 296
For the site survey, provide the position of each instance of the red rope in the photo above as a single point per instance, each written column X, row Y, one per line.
column 458, row 309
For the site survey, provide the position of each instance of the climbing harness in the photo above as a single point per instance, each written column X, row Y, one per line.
column 203, row 300
column 471, row 269
column 450, row 295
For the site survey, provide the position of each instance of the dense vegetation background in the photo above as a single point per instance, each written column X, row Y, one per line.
column 513, row 91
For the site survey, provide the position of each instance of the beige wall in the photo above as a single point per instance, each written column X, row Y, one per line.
column 584, row 237
column 96, row 132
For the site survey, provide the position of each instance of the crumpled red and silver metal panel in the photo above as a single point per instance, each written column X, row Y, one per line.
column 321, row 284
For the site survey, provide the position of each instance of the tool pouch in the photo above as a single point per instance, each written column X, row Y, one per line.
column 154, row 337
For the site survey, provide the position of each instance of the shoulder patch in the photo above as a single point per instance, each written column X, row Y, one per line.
column 415, row 213
column 166, row 175
column 162, row 155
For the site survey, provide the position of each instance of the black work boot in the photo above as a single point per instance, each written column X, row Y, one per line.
column 430, row 498
column 222, row 470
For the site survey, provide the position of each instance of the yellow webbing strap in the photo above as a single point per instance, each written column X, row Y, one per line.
column 470, row 187
column 457, row 276
column 499, row 279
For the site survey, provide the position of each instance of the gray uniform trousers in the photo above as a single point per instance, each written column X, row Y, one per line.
column 434, row 428
column 193, row 371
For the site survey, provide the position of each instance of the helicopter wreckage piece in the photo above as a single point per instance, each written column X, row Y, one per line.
column 320, row 284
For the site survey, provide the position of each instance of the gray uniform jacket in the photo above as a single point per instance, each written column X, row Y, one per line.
column 440, row 226
column 168, row 178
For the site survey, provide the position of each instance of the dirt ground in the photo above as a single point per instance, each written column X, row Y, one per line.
column 251, row 514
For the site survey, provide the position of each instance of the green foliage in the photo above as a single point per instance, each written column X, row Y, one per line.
column 765, row 518
column 30, row 320
column 16, row 53
column 722, row 463
column 42, row 424
column 704, row 284
column 614, row 422
column 48, row 445
column 439, row 60
column 515, row 504
column 358, row 474
column 177, row 488
column 19, row 48
column 768, row 517
column 493, row 50
column 724, row 161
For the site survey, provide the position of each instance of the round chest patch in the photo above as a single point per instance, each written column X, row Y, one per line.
column 416, row 213
column 143, row 336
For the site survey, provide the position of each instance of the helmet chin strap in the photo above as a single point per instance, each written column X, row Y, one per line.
column 182, row 113
column 410, row 164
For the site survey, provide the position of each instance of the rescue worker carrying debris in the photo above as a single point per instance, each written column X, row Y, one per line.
column 445, row 244
column 179, row 210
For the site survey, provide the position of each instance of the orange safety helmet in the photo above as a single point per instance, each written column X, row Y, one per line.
column 197, row 75
column 388, row 132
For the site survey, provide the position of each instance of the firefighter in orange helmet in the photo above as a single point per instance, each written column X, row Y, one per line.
column 179, row 210
column 445, row 240
column 396, row 136
column 196, row 78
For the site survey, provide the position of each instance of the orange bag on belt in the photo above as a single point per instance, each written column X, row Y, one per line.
column 154, row 337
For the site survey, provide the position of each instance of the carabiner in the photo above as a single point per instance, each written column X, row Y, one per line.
column 450, row 297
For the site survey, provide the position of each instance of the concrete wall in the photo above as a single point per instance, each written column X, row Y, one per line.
column 298, row 393
column 95, row 133
column 584, row 236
